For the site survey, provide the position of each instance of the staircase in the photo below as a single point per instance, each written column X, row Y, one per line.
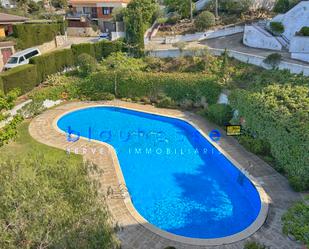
column 284, row 41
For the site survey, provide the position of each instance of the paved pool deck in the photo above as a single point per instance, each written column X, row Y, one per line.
column 133, row 233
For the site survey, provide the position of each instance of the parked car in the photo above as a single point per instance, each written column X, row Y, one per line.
column 21, row 57
column 103, row 36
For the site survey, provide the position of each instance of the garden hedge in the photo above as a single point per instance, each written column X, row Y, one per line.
column 97, row 50
column 23, row 77
column 53, row 62
column 279, row 115
column 26, row 77
column 180, row 87
column 29, row 35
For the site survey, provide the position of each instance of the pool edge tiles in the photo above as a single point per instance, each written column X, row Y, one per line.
column 194, row 241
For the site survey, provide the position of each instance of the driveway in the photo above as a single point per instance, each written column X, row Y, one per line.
column 234, row 42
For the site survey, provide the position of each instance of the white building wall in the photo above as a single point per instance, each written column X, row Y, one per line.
column 295, row 19
column 254, row 37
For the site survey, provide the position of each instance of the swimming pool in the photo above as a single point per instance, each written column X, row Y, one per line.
column 178, row 181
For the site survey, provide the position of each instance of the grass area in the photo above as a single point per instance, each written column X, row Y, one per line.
column 24, row 146
column 48, row 200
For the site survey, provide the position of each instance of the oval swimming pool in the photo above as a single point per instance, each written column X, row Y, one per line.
column 178, row 181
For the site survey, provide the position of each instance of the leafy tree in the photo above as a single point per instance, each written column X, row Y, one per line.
column 59, row 3
column 119, row 64
column 281, row 6
column 138, row 15
column 49, row 201
column 205, row 20
column 235, row 6
column 86, row 63
column 182, row 7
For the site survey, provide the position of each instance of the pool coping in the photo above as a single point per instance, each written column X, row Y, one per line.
column 259, row 221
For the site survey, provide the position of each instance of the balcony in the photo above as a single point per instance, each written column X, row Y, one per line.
column 75, row 16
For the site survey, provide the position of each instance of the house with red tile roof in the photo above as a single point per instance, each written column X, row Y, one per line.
column 99, row 12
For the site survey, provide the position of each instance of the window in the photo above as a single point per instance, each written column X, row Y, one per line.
column 87, row 10
column 21, row 59
column 107, row 10
column 31, row 54
column 13, row 60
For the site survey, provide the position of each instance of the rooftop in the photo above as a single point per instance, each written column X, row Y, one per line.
column 97, row 1
column 7, row 18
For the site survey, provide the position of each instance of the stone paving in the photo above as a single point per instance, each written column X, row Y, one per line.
column 134, row 235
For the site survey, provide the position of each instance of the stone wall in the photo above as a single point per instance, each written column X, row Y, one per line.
column 82, row 32
column 57, row 42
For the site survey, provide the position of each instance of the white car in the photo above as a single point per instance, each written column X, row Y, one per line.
column 21, row 58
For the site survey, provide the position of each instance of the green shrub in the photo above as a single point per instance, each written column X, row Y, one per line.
column 255, row 145
column 173, row 19
column 23, row 77
column 29, row 35
column 235, row 7
column 83, row 48
column 279, row 115
column 86, row 64
column 52, row 62
column 205, row 20
column 44, row 206
column 276, row 27
column 9, row 131
column 281, row 6
column 254, row 245
column 165, row 102
column 102, row 96
column 221, row 114
column 296, row 222
column 105, row 48
column 178, row 87
column 273, row 59
column 304, row 31
column 97, row 50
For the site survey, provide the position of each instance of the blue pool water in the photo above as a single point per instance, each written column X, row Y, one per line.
column 177, row 180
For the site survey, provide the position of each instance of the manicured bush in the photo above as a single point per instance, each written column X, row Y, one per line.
column 26, row 77
column 279, row 115
column 221, row 114
column 51, row 63
column 296, row 222
column 105, row 48
column 178, row 87
column 83, row 48
column 276, row 27
column 23, row 77
column 29, row 35
column 97, row 50
column 273, row 59
column 205, row 20
column 304, row 31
